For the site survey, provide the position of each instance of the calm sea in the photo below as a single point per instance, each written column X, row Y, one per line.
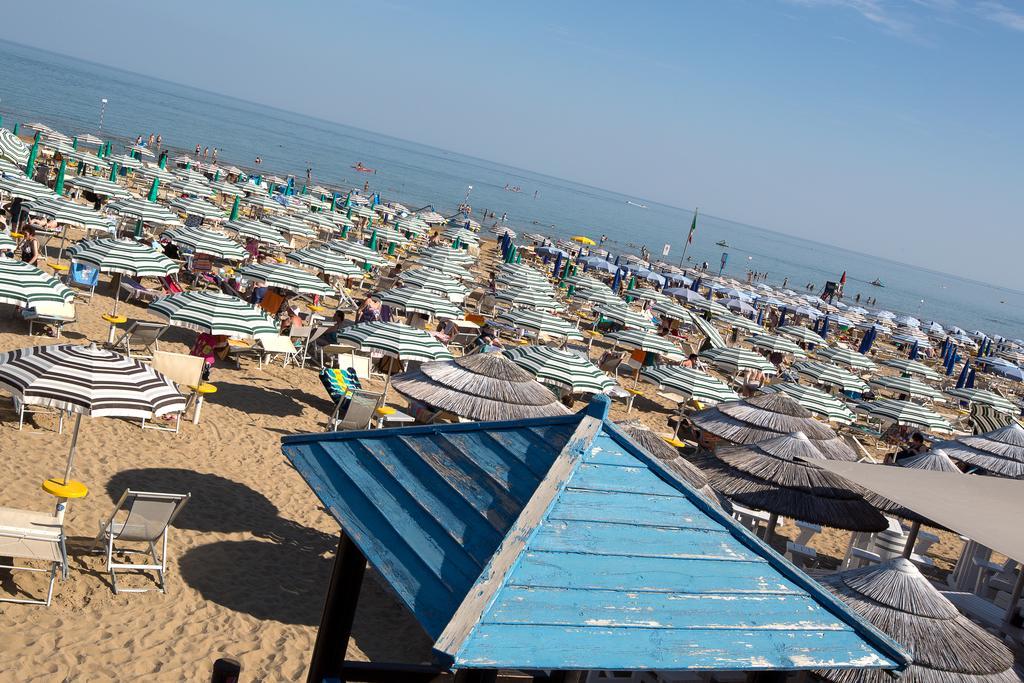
column 65, row 93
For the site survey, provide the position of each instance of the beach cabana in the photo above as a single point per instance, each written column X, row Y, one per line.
column 559, row 564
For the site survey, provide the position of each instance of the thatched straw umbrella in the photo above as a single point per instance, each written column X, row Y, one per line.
column 680, row 466
column 767, row 416
column 779, row 475
column 946, row 646
column 1000, row 451
column 483, row 386
column 936, row 460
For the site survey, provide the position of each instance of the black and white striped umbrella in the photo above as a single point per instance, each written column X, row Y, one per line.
column 24, row 285
column 210, row 242
column 148, row 212
column 984, row 397
column 906, row 386
column 395, row 339
column 123, row 256
column 845, row 357
column 541, row 323
column 215, row 313
column 357, row 252
column 776, row 344
column 529, row 297
column 831, row 376
column 67, row 212
column 286, row 277
column 689, row 382
column 735, row 360
column 262, row 232
column 815, row 400
column 197, row 207
column 20, row 187
column 904, row 413
column 912, row 367
column 435, row 281
column 561, row 368
column 623, row 315
column 644, row 340
column 326, row 261
column 291, row 225
column 13, row 148
column 98, row 186
column 417, row 300
column 800, row 333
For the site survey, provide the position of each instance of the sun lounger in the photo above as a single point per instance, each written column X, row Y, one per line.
column 354, row 411
column 140, row 339
column 55, row 315
column 22, row 409
column 36, row 537
column 135, row 290
column 83, row 278
column 266, row 348
column 187, row 372
column 147, row 521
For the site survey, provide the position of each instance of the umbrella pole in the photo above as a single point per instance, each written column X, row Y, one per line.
column 908, row 549
column 74, row 444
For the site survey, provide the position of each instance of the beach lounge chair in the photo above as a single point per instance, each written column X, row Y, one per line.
column 355, row 411
column 346, row 357
column 147, row 519
column 135, row 290
column 140, row 339
column 187, row 372
column 52, row 314
column 266, row 348
column 170, row 285
column 83, row 278
column 35, row 537
column 339, row 383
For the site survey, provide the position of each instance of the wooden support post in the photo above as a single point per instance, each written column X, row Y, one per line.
column 339, row 612
column 476, row 676
column 915, row 530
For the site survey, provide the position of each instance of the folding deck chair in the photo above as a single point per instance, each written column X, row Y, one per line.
column 83, row 278
column 33, row 537
column 187, row 372
column 148, row 520
column 141, row 336
column 355, row 411
column 133, row 289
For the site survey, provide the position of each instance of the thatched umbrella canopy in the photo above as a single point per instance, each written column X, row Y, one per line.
column 946, row 646
column 936, row 460
column 680, row 466
column 483, row 386
column 779, row 475
column 1000, row 451
column 767, row 416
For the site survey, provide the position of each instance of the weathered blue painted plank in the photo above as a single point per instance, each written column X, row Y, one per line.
column 621, row 573
column 535, row 448
column 497, row 464
column 602, row 538
column 566, row 647
column 625, row 479
column 630, row 508
column 564, row 607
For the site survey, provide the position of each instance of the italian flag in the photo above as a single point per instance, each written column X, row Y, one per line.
column 693, row 229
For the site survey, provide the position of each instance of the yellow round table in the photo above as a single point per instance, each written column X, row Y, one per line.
column 114, row 319
column 315, row 308
column 61, row 489
column 202, row 391
column 60, row 267
column 673, row 441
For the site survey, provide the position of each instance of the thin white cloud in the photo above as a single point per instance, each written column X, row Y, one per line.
column 905, row 18
column 877, row 12
column 1002, row 14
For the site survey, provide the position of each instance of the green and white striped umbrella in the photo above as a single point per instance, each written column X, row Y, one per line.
column 739, row 322
column 457, row 256
column 514, row 282
column 197, row 207
column 98, row 186
column 775, row 344
column 291, row 225
column 564, row 369
column 451, row 269
column 735, row 360
column 148, row 212
column 151, row 172
column 831, row 375
column 215, row 313
column 124, row 256
column 412, row 226
column 362, row 211
column 912, row 367
column 262, row 201
column 716, row 309
column 326, row 261
column 387, row 235
column 260, row 231
column 845, row 357
column 670, row 309
column 596, row 295
column 800, row 333
column 904, row 413
column 357, row 252
column 906, row 385
column 24, row 285
column 227, row 189
column 622, row 314
column 644, row 340
column 286, row 277
column 319, row 220
column 541, row 323
column 689, row 382
column 191, row 187
column 18, row 186
column 7, row 242
column 815, row 400
column 709, row 331
column 529, row 297
column 13, row 148
column 124, row 161
column 417, row 300
column 518, row 273
column 67, row 212
column 435, row 281
column 461, row 234
column 648, row 294
column 984, row 397
column 210, row 242
column 396, row 340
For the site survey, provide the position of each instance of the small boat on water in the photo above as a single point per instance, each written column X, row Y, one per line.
column 722, row 243
column 642, row 206
column 876, row 282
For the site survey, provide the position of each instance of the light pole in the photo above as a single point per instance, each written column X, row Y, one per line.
column 103, row 108
column 469, row 190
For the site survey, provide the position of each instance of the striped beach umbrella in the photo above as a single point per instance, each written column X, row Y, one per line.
column 357, row 252
column 912, row 367
column 286, row 277
column 564, row 369
column 740, row 323
column 644, row 340
column 124, row 161
column 124, row 256
column 20, row 187
column 387, row 235
column 984, row 397
column 595, row 295
column 457, row 256
column 776, row 344
column 417, row 300
column 541, row 323
column 67, row 212
column 815, row 400
column 451, row 269
column 845, row 357
column 396, row 340
column 257, row 230
column 210, row 242
column 515, row 282
column 692, row 383
column 622, row 314
column 518, row 273
column 198, row 207
column 648, row 294
column 98, row 186
column 319, row 220
column 227, row 189
column 735, row 360
column 906, row 386
column 831, row 375
column 147, row 212
column 435, row 281
column 326, row 261
column 670, row 309
column 191, row 187
column 215, row 313
column 7, row 242
column 24, row 285
column 291, row 225
column 904, row 413
column 529, row 297
column 800, row 333
column 13, row 148
column 262, row 201
column 161, row 174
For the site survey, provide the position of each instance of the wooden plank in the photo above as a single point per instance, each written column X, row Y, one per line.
column 498, row 464
column 629, row 508
column 602, row 538
column 535, row 448
column 564, row 647
column 476, row 601
column 620, row 573
column 626, row 479
column 568, row 607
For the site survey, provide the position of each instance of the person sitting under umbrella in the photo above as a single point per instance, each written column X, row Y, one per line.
column 915, row 446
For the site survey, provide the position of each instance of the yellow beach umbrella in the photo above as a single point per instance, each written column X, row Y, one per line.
column 583, row 239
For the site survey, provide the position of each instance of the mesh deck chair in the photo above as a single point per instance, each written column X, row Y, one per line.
column 140, row 339
column 148, row 520
column 354, row 411
column 83, row 278
column 184, row 370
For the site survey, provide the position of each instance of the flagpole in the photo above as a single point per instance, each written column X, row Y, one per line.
column 689, row 238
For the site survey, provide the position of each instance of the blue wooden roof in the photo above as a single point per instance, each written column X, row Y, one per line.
column 558, row 543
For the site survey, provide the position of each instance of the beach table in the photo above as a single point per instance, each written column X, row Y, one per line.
column 388, row 415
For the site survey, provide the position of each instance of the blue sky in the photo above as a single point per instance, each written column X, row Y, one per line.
column 887, row 126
